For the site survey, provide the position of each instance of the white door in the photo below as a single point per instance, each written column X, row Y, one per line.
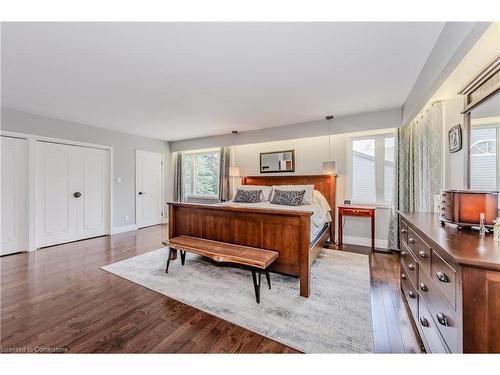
column 149, row 188
column 93, row 208
column 14, row 195
column 71, row 193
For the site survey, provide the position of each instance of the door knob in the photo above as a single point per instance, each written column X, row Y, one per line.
column 141, row 193
column 77, row 194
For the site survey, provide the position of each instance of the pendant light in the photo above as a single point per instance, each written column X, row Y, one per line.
column 329, row 166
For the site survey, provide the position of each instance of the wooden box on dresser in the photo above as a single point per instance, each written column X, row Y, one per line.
column 451, row 282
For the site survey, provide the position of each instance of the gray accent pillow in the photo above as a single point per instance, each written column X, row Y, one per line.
column 288, row 198
column 248, row 196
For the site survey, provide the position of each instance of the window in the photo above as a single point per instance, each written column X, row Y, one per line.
column 201, row 174
column 484, row 157
column 371, row 171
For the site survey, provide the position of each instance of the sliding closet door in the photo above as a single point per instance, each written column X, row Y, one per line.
column 72, row 193
column 58, row 182
column 93, row 209
column 14, row 195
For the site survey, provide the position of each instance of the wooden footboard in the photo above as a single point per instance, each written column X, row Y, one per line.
column 287, row 232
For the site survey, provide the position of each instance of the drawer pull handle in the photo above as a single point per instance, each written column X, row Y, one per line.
column 403, row 231
column 422, row 254
column 403, row 276
column 424, row 322
column 442, row 277
column 423, row 287
column 404, row 253
column 411, row 294
column 411, row 267
column 442, row 319
column 411, row 240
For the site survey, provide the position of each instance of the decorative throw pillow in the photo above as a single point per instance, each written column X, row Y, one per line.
column 288, row 198
column 248, row 196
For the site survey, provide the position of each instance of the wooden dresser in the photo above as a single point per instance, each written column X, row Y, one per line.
column 451, row 283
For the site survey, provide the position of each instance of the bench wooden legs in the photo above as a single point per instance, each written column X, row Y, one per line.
column 183, row 257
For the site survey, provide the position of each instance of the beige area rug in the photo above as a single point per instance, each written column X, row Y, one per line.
column 336, row 318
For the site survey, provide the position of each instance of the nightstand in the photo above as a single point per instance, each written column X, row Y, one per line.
column 358, row 211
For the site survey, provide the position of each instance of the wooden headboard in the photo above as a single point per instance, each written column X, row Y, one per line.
column 325, row 184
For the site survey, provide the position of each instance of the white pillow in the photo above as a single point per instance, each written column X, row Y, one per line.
column 264, row 196
column 308, row 195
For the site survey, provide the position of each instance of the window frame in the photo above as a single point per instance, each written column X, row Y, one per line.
column 193, row 195
column 379, row 166
column 489, row 123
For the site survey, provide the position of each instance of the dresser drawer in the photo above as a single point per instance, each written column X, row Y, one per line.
column 411, row 266
column 356, row 212
column 420, row 249
column 431, row 336
column 445, row 319
column 444, row 277
column 409, row 292
column 403, row 232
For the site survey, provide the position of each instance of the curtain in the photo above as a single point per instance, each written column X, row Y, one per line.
column 225, row 156
column 418, row 166
column 178, row 183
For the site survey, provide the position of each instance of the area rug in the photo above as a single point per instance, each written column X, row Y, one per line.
column 336, row 318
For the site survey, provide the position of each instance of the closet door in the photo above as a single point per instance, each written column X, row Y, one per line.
column 14, row 195
column 59, row 169
column 93, row 205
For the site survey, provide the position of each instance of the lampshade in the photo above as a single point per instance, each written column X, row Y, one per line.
column 234, row 171
column 330, row 167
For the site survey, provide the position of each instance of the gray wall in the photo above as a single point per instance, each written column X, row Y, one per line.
column 124, row 146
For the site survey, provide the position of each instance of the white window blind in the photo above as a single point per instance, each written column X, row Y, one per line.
column 371, row 170
column 484, row 157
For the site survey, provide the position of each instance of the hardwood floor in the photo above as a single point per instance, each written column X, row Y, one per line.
column 58, row 299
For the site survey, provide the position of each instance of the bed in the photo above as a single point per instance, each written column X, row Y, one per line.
column 289, row 231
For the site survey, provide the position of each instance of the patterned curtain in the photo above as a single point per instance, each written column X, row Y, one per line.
column 178, row 184
column 225, row 156
column 419, row 167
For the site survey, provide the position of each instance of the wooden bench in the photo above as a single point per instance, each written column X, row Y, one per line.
column 256, row 259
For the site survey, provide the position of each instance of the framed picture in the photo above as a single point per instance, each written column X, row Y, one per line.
column 455, row 138
column 277, row 161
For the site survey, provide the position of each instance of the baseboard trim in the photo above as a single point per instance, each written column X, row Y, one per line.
column 124, row 228
column 363, row 241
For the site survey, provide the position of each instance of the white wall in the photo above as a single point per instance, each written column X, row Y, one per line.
column 309, row 155
column 124, row 146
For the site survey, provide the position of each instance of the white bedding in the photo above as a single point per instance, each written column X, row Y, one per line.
column 320, row 210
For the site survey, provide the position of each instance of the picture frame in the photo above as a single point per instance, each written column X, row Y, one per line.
column 277, row 161
column 455, row 138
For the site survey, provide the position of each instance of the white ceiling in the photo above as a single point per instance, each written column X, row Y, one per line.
column 184, row 80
